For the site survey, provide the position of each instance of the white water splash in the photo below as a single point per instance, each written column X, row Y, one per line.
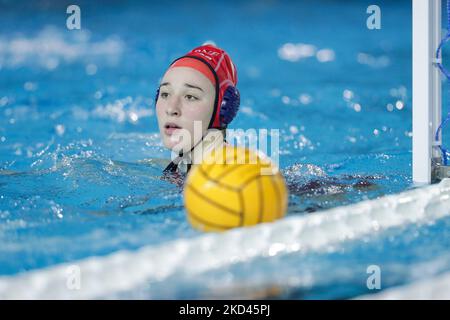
column 127, row 109
column 50, row 47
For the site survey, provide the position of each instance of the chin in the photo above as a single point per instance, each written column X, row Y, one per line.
column 168, row 144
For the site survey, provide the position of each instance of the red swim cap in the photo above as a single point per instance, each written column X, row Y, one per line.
column 217, row 66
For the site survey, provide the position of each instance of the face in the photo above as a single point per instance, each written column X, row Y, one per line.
column 185, row 96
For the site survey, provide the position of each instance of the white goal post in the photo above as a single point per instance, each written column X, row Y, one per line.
column 426, row 87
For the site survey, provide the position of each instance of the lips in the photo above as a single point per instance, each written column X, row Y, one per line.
column 170, row 127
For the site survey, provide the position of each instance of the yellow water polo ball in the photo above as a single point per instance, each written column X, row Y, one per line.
column 234, row 187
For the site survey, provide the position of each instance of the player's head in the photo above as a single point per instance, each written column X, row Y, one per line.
column 199, row 86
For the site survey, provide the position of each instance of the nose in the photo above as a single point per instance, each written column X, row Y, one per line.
column 173, row 107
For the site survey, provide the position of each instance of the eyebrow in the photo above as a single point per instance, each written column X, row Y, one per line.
column 186, row 85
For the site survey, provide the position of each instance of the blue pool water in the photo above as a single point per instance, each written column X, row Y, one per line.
column 77, row 123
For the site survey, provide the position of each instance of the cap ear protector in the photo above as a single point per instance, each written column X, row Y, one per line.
column 229, row 107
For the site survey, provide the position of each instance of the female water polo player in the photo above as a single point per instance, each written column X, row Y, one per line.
column 201, row 87
column 196, row 100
